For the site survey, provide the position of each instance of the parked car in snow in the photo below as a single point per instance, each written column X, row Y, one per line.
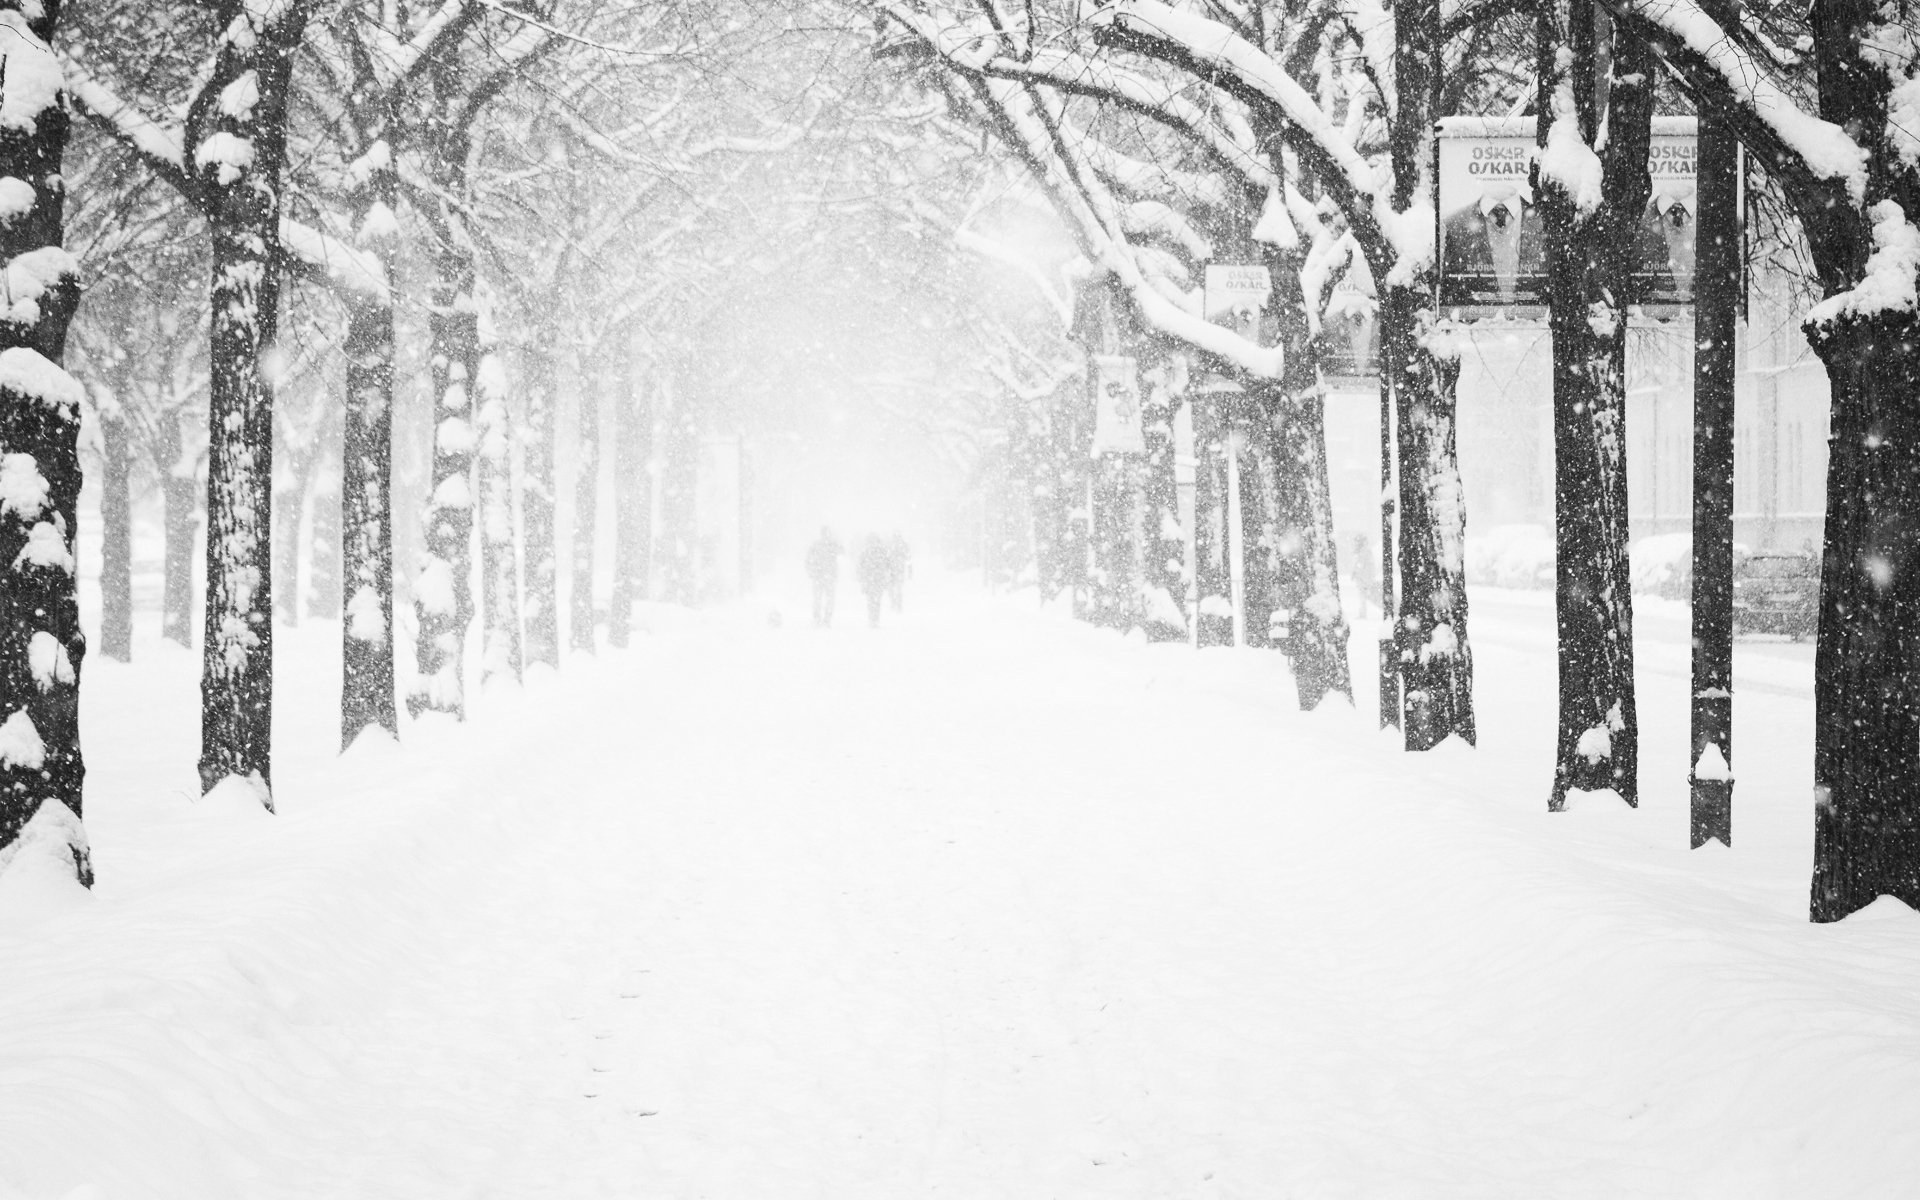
column 1777, row 592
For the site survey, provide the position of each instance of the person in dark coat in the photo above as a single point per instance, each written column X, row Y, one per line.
column 823, row 567
column 876, row 572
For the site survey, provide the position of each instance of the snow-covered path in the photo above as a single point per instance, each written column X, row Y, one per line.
column 984, row 904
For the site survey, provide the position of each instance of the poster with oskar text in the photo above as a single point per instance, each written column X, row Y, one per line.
column 1491, row 254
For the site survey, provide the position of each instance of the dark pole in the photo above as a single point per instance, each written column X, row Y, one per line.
column 1718, row 283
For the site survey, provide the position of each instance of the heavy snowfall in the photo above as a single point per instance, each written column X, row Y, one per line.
column 1065, row 598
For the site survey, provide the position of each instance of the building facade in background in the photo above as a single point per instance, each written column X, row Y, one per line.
column 1506, row 433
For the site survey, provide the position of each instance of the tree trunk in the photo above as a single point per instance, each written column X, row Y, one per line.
column 1598, row 745
column 116, row 538
column 236, row 691
column 1210, row 519
column 442, row 593
column 1718, row 281
column 41, row 642
column 1116, row 581
column 586, row 505
column 679, row 476
column 1303, row 553
column 364, row 516
column 1068, row 461
column 1589, row 256
column 1048, row 509
column 1426, row 674
column 1866, row 811
column 1866, row 758
column 1306, row 554
column 365, row 511
column 632, row 505
column 1104, row 325
column 1271, row 542
column 237, row 681
column 179, row 493
column 1434, row 659
column 1389, row 680
column 536, row 509
column 499, row 553
column 1164, row 560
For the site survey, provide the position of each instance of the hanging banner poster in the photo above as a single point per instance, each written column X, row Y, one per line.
column 1667, row 226
column 1350, row 350
column 1116, row 406
column 1235, row 294
column 1491, row 253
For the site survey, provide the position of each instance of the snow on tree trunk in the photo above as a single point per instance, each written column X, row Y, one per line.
column 443, row 598
column 179, row 498
column 364, row 516
column 116, row 535
column 365, row 511
column 238, row 161
column 499, row 552
column 541, row 597
column 41, row 642
column 632, row 505
column 1431, row 674
column 1434, row 660
column 1590, row 210
column 1718, row 279
column 1302, row 549
column 1866, row 754
column 594, row 382
column 1304, row 552
column 1598, row 735
column 1866, row 695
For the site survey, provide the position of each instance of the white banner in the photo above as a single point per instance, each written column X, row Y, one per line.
column 1236, row 292
column 1491, row 254
column 1234, row 296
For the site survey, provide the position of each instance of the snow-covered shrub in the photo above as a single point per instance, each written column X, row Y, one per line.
column 1663, row 566
column 1511, row 556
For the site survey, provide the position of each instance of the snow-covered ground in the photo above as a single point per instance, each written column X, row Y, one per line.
column 982, row 904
